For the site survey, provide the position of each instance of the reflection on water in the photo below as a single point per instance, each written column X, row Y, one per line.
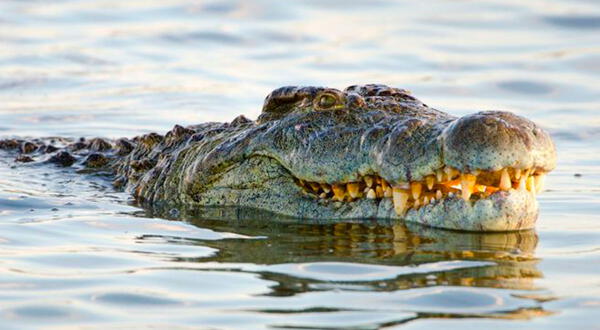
column 511, row 254
column 363, row 258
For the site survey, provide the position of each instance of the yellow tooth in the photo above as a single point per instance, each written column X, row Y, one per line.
column 455, row 173
column 323, row 195
column 400, row 198
column 301, row 182
column 379, row 192
column 438, row 194
column 429, row 180
column 416, row 204
column 384, row 185
column 369, row 181
column 425, row 200
column 505, row 183
column 338, row 192
column 371, row 194
column 387, row 192
column 522, row 183
column 531, row 184
column 467, row 183
column 315, row 186
column 439, row 174
column 466, row 194
column 415, row 188
column 352, row 189
column 517, row 173
column 450, row 172
column 539, row 182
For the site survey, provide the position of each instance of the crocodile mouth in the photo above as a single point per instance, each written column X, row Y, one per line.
column 446, row 182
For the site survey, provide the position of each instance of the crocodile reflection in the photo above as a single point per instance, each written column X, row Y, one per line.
column 369, row 242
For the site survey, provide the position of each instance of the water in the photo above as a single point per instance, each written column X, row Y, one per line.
column 73, row 252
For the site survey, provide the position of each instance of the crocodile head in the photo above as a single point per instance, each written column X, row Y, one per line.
column 371, row 152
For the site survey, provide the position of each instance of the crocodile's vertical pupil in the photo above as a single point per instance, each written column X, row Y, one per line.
column 327, row 101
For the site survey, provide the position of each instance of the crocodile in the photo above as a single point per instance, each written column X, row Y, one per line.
column 365, row 152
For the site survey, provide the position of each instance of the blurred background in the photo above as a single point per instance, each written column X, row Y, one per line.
column 73, row 252
column 114, row 68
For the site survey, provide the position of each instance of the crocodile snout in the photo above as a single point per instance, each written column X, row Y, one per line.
column 492, row 140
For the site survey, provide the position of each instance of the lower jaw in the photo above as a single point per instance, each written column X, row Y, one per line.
column 502, row 211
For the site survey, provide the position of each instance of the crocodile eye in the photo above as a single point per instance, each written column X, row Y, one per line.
column 327, row 101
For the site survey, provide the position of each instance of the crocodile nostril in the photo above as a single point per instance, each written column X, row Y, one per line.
column 354, row 100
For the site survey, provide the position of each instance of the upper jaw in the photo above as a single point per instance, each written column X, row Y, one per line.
column 402, row 150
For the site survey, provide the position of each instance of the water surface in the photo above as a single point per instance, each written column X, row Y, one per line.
column 75, row 252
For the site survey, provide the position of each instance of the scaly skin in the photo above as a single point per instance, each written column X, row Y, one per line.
column 310, row 137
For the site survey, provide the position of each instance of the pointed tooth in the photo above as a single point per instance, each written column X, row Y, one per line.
column 384, row 185
column 323, row 195
column 400, row 199
column 467, row 183
column 369, row 181
column 415, row 189
column 531, row 184
column 430, row 181
column 353, row 189
column 466, row 194
column 371, row 194
column 438, row 194
column 301, row 182
column 387, row 192
column 539, row 182
column 416, row 204
column 326, row 188
column 315, row 186
column 338, row 192
column 439, row 175
column 517, row 173
column 379, row 192
column 505, row 183
column 522, row 183
column 425, row 200
column 432, row 200
column 450, row 172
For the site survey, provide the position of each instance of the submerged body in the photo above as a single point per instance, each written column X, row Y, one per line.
column 366, row 152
